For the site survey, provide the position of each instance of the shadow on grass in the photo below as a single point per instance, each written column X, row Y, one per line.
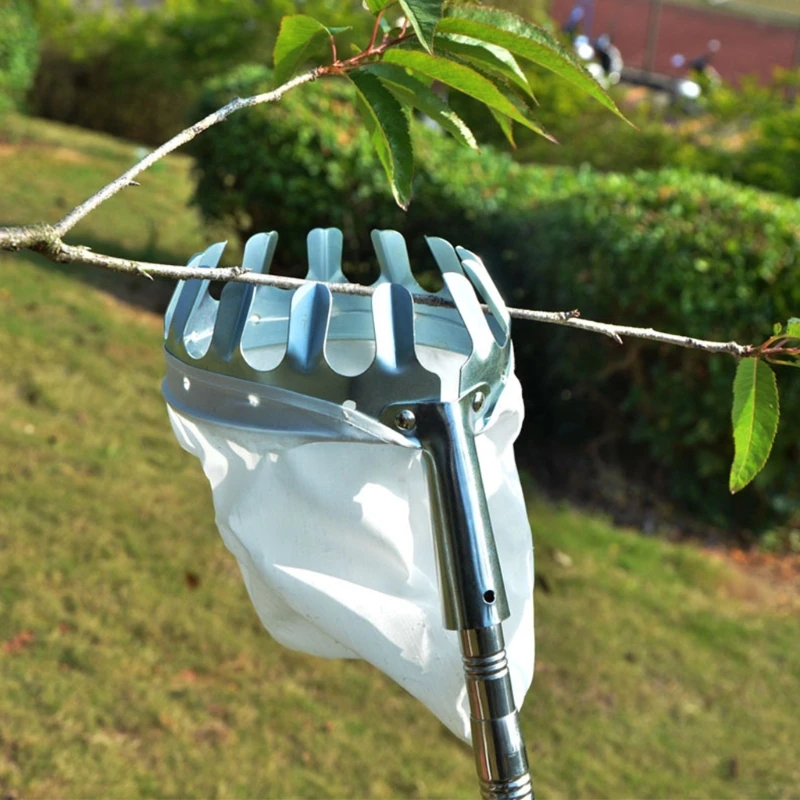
column 149, row 295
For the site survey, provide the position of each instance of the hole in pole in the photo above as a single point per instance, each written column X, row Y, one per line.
column 488, row 596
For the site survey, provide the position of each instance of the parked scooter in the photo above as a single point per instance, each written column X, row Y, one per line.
column 700, row 73
column 601, row 58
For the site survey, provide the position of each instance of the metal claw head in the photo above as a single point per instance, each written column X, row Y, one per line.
column 338, row 347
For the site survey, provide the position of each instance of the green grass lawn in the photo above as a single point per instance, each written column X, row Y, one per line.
column 131, row 661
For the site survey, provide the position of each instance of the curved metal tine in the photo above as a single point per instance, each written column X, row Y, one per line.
column 390, row 247
column 479, row 275
column 325, row 255
column 446, row 259
column 173, row 301
column 396, row 374
column 269, row 301
column 483, row 340
column 393, row 318
column 190, row 295
column 308, row 327
column 258, row 252
column 233, row 313
column 442, row 326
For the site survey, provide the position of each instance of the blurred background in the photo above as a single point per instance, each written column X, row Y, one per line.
column 131, row 663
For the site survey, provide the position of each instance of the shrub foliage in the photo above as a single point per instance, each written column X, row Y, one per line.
column 19, row 51
column 136, row 71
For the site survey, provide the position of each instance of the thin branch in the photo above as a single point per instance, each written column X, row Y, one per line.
column 126, row 179
column 48, row 239
column 375, row 30
column 616, row 332
column 53, row 248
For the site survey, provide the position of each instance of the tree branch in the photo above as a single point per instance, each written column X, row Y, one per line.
column 66, row 224
column 43, row 239
column 126, row 179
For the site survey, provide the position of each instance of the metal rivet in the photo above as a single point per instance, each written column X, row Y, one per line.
column 405, row 420
column 478, row 399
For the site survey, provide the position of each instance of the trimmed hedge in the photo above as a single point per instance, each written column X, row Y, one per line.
column 685, row 253
column 137, row 71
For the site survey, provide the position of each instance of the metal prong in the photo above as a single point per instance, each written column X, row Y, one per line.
column 393, row 316
column 269, row 304
column 173, row 301
column 445, row 255
column 308, row 326
column 390, row 247
column 258, row 252
column 233, row 313
column 479, row 275
column 471, row 313
column 189, row 296
column 325, row 255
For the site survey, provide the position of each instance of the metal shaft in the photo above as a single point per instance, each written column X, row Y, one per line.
column 473, row 595
column 496, row 734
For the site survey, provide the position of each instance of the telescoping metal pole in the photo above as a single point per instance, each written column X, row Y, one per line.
column 473, row 595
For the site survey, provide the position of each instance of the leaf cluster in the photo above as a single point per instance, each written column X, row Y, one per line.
column 19, row 51
column 420, row 51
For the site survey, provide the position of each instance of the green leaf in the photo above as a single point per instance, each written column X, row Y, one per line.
column 793, row 327
column 388, row 127
column 299, row 37
column 460, row 77
column 524, row 39
column 526, row 112
column 377, row 5
column 424, row 16
column 755, row 420
column 487, row 57
column 416, row 94
column 777, row 328
column 505, row 125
